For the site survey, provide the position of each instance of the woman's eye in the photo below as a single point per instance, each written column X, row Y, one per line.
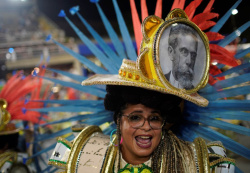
column 155, row 118
column 135, row 117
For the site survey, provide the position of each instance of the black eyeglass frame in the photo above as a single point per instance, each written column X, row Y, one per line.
column 163, row 122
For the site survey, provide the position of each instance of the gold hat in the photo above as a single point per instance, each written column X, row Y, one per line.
column 156, row 69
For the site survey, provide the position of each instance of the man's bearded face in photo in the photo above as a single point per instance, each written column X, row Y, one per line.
column 184, row 57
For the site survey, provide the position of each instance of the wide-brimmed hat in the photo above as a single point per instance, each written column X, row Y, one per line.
column 154, row 64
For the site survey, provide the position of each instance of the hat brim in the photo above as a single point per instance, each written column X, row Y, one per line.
column 104, row 79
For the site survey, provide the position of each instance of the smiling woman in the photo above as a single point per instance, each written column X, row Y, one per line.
column 143, row 119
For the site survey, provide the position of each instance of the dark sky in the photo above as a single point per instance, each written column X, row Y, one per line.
column 88, row 10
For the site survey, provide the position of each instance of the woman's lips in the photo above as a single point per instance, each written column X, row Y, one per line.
column 143, row 141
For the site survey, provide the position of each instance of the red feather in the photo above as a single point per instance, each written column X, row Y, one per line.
column 190, row 9
column 214, row 36
column 158, row 8
column 214, row 70
column 203, row 17
column 211, row 80
column 207, row 24
column 178, row 4
column 221, row 55
column 209, row 6
column 136, row 25
column 144, row 9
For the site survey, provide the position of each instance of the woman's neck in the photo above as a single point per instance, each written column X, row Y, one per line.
column 132, row 159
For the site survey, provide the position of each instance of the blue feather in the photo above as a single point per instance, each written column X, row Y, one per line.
column 61, row 14
column 212, row 135
column 74, row 10
column 72, row 102
column 125, row 34
column 70, row 109
column 217, row 123
column 78, row 78
column 112, row 34
column 94, row 49
column 232, row 81
column 80, row 117
column 234, row 70
column 53, row 135
column 242, row 53
column 227, row 93
column 82, row 59
column 222, row 21
column 110, row 53
column 88, row 89
column 233, row 35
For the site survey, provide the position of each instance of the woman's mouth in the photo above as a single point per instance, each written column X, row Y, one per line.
column 144, row 141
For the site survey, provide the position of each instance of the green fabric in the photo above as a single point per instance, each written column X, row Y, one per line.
column 128, row 168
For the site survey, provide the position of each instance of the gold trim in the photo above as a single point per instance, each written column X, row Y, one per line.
column 214, row 155
column 176, row 13
column 78, row 144
column 131, row 71
column 205, row 155
column 58, row 164
column 202, row 155
column 149, row 24
column 65, row 141
column 221, row 160
column 110, row 157
column 156, row 57
column 215, row 144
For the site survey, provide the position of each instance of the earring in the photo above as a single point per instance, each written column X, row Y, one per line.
column 111, row 137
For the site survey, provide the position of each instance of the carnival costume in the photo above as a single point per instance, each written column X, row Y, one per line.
column 14, row 103
column 92, row 151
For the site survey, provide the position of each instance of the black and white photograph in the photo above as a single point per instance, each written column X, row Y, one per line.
column 182, row 56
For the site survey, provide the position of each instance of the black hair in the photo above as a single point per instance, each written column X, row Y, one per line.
column 118, row 96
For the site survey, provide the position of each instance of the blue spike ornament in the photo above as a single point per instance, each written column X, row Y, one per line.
column 62, row 14
column 74, row 10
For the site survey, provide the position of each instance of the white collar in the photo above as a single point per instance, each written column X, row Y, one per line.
column 174, row 82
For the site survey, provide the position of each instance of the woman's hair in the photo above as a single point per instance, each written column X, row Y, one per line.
column 118, row 97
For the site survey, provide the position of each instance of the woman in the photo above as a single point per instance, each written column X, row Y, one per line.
column 143, row 119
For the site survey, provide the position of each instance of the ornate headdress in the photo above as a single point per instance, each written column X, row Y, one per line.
column 153, row 61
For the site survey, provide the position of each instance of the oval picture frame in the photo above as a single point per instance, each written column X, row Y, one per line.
column 181, row 55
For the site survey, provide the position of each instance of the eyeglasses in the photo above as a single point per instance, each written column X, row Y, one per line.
column 137, row 121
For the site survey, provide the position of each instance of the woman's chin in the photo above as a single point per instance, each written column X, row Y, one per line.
column 143, row 149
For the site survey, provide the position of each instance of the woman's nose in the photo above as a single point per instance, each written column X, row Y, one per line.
column 146, row 125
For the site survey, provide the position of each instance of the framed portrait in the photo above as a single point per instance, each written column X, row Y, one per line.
column 182, row 55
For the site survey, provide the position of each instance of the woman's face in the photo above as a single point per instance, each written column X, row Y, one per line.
column 138, row 144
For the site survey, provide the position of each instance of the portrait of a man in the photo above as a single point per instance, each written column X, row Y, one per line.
column 182, row 56
column 182, row 51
